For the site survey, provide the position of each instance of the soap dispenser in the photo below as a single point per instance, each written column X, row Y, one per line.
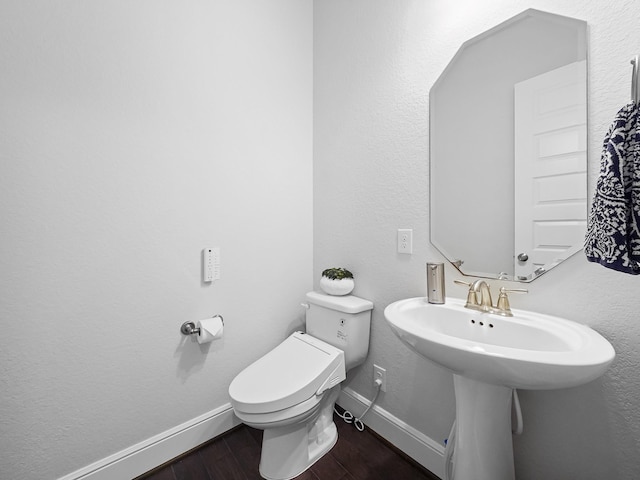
column 435, row 282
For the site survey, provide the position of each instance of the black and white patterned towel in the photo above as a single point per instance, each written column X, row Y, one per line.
column 613, row 228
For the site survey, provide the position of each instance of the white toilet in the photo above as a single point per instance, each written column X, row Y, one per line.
column 290, row 392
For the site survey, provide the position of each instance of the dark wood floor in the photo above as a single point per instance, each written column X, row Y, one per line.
column 236, row 455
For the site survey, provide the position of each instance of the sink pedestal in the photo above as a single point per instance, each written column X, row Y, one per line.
column 483, row 443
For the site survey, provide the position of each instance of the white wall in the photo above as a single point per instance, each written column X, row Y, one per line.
column 374, row 63
column 133, row 135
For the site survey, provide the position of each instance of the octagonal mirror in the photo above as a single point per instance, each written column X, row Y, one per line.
column 508, row 148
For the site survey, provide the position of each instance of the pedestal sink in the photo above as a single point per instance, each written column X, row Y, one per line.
column 489, row 356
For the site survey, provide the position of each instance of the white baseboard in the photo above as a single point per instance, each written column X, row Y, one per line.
column 423, row 449
column 148, row 454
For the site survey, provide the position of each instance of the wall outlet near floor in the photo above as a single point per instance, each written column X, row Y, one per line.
column 380, row 373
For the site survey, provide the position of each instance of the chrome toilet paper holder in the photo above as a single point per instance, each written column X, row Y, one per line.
column 189, row 328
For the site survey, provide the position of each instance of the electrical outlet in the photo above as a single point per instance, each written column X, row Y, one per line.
column 405, row 240
column 380, row 373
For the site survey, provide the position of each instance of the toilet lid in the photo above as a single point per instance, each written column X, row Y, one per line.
column 291, row 373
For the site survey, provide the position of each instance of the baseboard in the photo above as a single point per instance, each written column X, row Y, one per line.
column 423, row 449
column 148, row 454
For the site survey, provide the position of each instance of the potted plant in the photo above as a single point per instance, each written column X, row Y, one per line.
column 337, row 281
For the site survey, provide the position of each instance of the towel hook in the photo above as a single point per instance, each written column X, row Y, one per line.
column 634, row 79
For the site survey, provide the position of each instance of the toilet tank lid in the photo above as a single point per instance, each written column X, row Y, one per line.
column 341, row 303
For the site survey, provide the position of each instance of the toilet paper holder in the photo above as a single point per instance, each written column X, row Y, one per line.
column 189, row 328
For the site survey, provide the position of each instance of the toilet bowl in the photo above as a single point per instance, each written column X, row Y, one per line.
column 291, row 391
column 288, row 393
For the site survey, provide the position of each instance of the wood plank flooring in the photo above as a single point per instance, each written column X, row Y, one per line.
column 236, row 455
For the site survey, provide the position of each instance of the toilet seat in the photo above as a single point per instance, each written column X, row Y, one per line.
column 298, row 369
column 296, row 414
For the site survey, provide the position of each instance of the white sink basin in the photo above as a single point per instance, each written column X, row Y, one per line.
column 528, row 350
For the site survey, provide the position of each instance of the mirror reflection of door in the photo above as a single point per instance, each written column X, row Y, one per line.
column 550, row 167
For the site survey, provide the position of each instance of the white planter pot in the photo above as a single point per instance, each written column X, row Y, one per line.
column 342, row 286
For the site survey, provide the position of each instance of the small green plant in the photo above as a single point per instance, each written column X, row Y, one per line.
column 337, row 273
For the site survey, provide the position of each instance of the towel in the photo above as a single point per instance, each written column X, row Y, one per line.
column 613, row 227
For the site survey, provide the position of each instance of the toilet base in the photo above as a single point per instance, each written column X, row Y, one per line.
column 290, row 450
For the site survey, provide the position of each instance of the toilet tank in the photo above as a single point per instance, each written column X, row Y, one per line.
column 342, row 321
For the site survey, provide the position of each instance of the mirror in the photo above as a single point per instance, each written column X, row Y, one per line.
column 508, row 148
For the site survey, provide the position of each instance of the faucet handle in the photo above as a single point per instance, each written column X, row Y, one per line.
column 502, row 305
column 472, row 298
column 513, row 290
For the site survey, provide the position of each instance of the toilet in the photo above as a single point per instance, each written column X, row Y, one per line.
column 291, row 391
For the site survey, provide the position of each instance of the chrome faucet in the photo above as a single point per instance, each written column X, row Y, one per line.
column 479, row 298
